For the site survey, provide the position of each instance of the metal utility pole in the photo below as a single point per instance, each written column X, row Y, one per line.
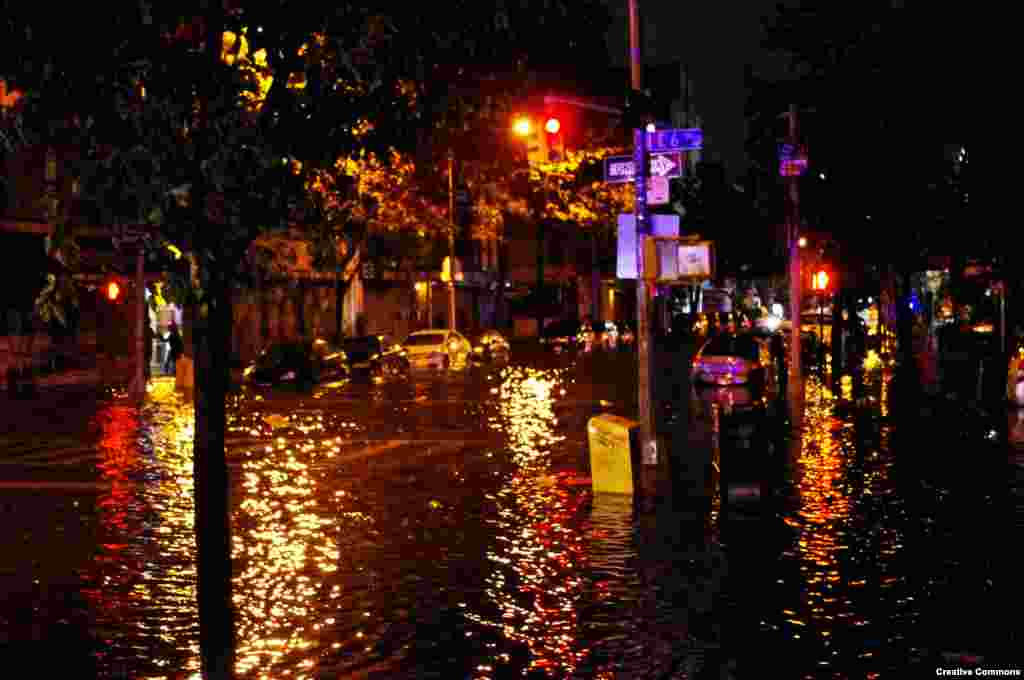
column 793, row 235
column 634, row 44
column 451, row 240
column 648, row 440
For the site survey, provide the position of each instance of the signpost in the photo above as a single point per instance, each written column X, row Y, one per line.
column 664, row 143
column 621, row 169
column 657, row 192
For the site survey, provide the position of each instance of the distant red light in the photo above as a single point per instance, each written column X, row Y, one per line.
column 552, row 126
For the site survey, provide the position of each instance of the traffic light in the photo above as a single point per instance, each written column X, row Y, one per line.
column 820, row 280
column 112, row 291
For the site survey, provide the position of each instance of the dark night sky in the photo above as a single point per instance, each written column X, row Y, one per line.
column 716, row 40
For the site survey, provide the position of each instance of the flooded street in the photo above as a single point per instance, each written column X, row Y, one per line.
column 443, row 527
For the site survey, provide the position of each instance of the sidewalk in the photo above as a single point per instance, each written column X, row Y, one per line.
column 81, row 368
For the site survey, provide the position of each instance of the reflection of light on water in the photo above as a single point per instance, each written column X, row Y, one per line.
column 846, row 387
column 283, row 547
column 834, row 493
column 821, row 520
column 144, row 571
column 535, row 582
column 872, row 361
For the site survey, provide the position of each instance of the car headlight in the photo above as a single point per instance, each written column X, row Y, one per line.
column 290, row 375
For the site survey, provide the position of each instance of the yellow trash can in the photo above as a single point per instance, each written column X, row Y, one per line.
column 614, row 454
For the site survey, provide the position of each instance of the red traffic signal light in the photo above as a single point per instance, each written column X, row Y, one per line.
column 820, row 280
column 553, row 126
column 113, row 291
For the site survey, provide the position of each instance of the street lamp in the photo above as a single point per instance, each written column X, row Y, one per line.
column 522, row 126
column 802, row 242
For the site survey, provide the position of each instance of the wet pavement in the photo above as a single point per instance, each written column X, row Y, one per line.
column 443, row 527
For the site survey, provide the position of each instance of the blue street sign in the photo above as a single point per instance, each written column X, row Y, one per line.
column 620, row 169
column 675, row 139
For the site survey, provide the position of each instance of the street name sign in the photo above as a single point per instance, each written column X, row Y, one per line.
column 675, row 139
column 621, row 169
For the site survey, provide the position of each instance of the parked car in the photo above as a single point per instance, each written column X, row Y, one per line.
column 735, row 359
column 377, row 355
column 561, row 335
column 606, row 334
column 491, row 346
column 437, row 349
column 626, row 335
column 299, row 362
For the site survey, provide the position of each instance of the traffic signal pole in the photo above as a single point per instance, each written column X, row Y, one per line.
column 795, row 281
column 645, row 355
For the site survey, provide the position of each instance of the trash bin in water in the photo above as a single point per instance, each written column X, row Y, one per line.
column 614, row 444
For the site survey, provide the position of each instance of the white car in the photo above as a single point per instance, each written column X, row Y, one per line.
column 437, row 349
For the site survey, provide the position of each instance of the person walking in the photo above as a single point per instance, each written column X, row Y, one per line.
column 175, row 347
column 147, row 348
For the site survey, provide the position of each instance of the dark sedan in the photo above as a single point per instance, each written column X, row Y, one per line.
column 298, row 362
column 376, row 355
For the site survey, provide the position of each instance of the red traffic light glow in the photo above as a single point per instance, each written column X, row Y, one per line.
column 552, row 126
column 113, row 291
column 820, row 281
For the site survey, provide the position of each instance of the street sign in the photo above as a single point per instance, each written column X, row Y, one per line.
column 793, row 168
column 657, row 190
column 619, row 169
column 626, row 240
column 675, row 139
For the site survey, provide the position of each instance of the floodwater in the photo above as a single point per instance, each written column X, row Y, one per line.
column 444, row 528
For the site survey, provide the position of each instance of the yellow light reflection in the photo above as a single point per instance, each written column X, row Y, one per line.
column 542, row 555
column 284, row 548
column 823, row 513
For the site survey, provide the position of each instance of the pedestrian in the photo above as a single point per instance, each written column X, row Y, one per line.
column 147, row 348
column 175, row 347
column 778, row 350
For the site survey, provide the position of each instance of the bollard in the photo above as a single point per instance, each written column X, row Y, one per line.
column 614, row 454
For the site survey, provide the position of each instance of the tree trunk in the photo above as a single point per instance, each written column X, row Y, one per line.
column 211, row 346
column 212, row 341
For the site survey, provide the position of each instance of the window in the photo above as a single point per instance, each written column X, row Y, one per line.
column 423, row 339
column 733, row 346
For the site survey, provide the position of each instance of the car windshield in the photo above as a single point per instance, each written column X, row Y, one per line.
column 280, row 354
column 421, row 339
column 362, row 346
column 742, row 346
column 561, row 329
